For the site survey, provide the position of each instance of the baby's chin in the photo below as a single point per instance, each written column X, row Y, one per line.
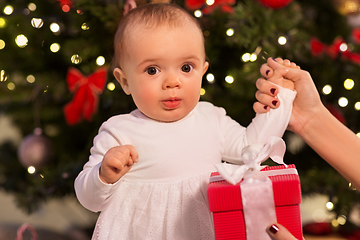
column 167, row 118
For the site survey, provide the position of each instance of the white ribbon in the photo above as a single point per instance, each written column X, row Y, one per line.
column 253, row 156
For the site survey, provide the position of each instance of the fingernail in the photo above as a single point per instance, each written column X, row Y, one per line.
column 274, row 229
column 274, row 102
column 273, row 59
column 273, row 91
column 267, row 72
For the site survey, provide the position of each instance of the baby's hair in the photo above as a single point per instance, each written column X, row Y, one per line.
column 149, row 16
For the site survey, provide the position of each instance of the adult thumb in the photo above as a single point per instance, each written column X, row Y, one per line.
column 278, row 232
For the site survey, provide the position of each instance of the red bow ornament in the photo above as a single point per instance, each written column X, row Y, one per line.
column 85, row 101
column 333, row 50
column 224, row 5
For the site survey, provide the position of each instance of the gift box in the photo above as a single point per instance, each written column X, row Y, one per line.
column 226, row 204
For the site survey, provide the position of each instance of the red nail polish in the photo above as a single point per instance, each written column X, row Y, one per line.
column 265, row 107
column 274, row 229
column 267, row 72
column 274, row 102
column 272, row 91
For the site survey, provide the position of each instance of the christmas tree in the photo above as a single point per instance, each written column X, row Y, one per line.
column 55, row 60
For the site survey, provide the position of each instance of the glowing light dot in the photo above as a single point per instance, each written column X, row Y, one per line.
column 37, row 22
column 2, row 23
column 76, row 59
column 21, row 40
column 30, row 79
column 111, row 86
column 334, row 223
column 230, row 32
column 198, row 13
column 229, row 79
column 282, row 40
column 253, row 57
column 245, row 57
column 65, row 8
column 202, row 92
column 343, row 102
column 349, row 84
column 210, row 77
column 329, row 206
column 100, row 61
column 2, row 44
column 210, row 2
column 357, row 106
column 32, row 6
column 8, row 10
column 85, row 26
column 55, row 47
column 31, row 170
column 341, row 220
column 11, row 86
column 327, row 89
column 54, row 27
column 343, row 47
column 352, row 187
column 3, row 76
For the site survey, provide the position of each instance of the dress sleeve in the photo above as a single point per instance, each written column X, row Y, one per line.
column 263, row 126
column 91, row 192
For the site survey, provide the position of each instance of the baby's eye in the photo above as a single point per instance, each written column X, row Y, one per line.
column 152, row 70
column 186, row 68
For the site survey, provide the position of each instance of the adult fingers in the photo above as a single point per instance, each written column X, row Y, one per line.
column 278, row 232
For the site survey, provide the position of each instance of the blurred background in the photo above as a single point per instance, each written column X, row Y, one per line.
column 56, row 88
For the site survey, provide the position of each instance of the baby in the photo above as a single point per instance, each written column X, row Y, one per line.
column 148, row 170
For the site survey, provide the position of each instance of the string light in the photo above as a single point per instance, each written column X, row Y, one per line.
column 21, row 40
column 329, row 206
column 31, row 170
column 100, row 61
column 357, row 106
column 111, row 86
column 2, row 23
column 3, row 76
column 352, row 187
column 11, row 86
column 282, row 40
column 349, row 84
column 229, row 79
column 230, row 32
column 8, row 10
column 210, row 2
column 202, row 91
column 55, row 47
column 76, row 59
column 253, row 57
column 343, row 102
column 327, row 89
column 245, row 57
column 210, row 78
column 198, row 13
column 2, row 44
column 343, row 47
column 85, row 26
column 55, row 28
column 32, row 7
column 37, row 22
column 30, row 79
column 341, row 220
column 65, row 8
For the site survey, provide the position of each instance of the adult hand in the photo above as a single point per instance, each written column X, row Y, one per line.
column 278, row 232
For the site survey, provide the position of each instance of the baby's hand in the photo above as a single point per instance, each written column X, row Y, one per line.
column 117, row 162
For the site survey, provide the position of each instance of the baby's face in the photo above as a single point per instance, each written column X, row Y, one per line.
column 163, row 69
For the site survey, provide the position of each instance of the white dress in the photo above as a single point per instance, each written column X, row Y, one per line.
column 164, row 195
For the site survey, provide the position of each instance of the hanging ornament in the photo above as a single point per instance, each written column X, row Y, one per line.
column 35, row 150
column 346, row 7
column 275, row 4
column 87, row 89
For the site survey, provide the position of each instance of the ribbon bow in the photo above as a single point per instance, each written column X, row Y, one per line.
column 333, row 50
column 85, row 101
column 252, row 157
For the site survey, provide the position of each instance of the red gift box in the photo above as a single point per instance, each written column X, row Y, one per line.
column 226, row 204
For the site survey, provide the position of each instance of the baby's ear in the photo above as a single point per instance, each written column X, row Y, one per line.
column 121, row 78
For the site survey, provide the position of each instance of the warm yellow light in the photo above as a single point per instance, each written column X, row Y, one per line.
column 30, row 79
column 55, row 47
column 37, row 22
column 11, row 86
column 343, row 47
column 21, row 40
column 32, row 6
column 8, row 10
column 327, row 89
column 245, row 57
column 341, row 220
column 76, row 59
column 111, row 86
column 349, row 84
column 329, row 206
column 54, row 27
column 2, row 44
column 253, row 57
column 2, row 23
column 229, row 79
column 357, row 106
column 210, row 77
column 198, row 13
column 85, row 26
column 230, row 32
column 282, row 40
column 3, row 76
column 202, row 92
column 334, row 223
column 31, row 170
column 210, row 2
column 343, row 102
column 100, row 60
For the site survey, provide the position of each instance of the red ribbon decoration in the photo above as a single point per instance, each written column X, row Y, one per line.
column 85, row 101
column 224, row 5
column 318, row 48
